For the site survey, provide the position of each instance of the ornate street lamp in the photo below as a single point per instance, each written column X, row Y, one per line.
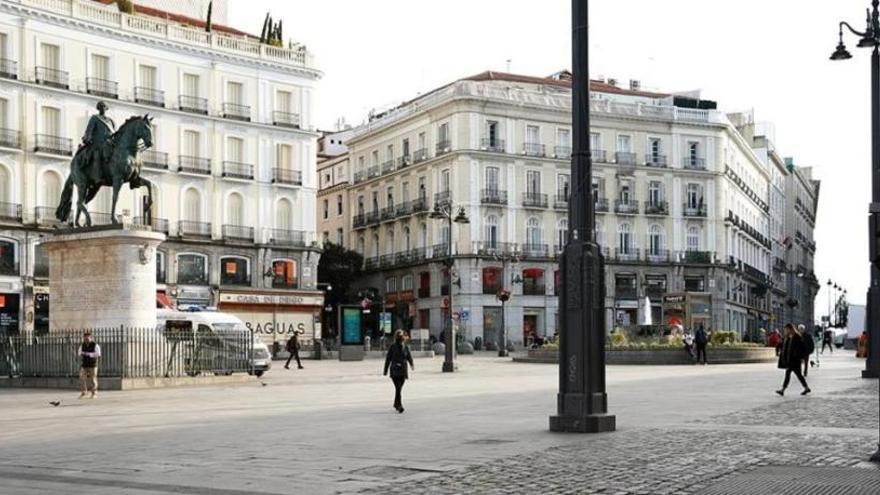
column 444, row 211
column 870, row 38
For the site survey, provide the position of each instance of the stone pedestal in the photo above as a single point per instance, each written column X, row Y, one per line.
column 102, row 278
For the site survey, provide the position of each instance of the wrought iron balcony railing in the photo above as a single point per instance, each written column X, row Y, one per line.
column 237, row 170
column 102, row 87
column 443, row 147
column 10, row 212
column 193, row 104
column 626, row 207
column 237, row 111
column 601, row 205
column 442, row 198
column 625, row 158
column 238, row 233
column 492, row 145
column 188, row 228
column 493, row 196
column 658, row 161
column 56, row 145
column 149, row 96
column 194, row 165
column 656, row 208
column 599, row 156
column 560, row 201
column 628, row 253
column 286, row 176
column 285, row 237
column 154, row 159
column 420, row 155
column 10, row 138
column 694, row 163
column 8, row 68
column 562, row 152
column 694, row 210
column 285, row 119
column 534, row 149
column 48, row 76
column 535, row 250
column 534, row 200
column 388, row 166
column 159, row 224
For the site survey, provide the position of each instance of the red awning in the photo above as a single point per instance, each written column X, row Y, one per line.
column 162, row 301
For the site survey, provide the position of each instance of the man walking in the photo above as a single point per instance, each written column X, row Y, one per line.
column 293, row 349
column 89, row 353
column 809, row 346
column 701, row 339
column 827, row 339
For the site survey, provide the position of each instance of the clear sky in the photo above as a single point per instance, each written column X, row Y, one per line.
column 766, row 55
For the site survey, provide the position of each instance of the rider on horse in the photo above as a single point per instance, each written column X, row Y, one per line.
column 99, row 129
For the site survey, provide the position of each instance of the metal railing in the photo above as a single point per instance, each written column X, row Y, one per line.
column 10, row 211
column 159, row 224
column 599, row 156
column 102, row 87
column 388, row 213
column 601, row 205
column 8, row 68
column 403, row 209
column 56, row 145
column 534, row 149
column 492, row 145
column 149, row 96
column 657, row 255
column 560, row 201
column 189, row 228
column 697, row 257
column 694, row 163
column 529, row 289
column 626, row 292
column 626, row 206
column 10, row 138
column 359, row 221
column 493, row 248
column 625, row 158
column 442, row 147
column 656, row 208
column 690, row 210
column 373, row 172
column 286, row 237
column 48, row 76
column 658, row 161
column 194, row 165
column 420, row 155
column 442, row 198
column 535, row 250
column 45, row 216
column 286, row 176
column 193, row 104
column 238, row 232
column 388, row 166
column 420, row 205
column 493, row 196
column 154, row 159
column 237, row 111
column 237, row 170
column 562, row 152
column 285, row 119
column 626, row 254
column 132, row 353
column 534, row 200
column 403, row 161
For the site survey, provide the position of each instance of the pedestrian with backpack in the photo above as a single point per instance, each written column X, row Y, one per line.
column 395, row 360
column 293, row 349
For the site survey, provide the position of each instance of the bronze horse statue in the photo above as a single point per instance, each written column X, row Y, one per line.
column 113, row 164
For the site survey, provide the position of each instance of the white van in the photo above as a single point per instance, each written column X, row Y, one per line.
column 214, row 324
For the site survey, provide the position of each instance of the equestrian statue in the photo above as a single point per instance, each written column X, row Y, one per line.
column 106, row 157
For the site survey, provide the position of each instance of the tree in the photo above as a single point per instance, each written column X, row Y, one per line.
column 339, row 267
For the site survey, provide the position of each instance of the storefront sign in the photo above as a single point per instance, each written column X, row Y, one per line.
column 275, row 300
column 273, row 326
column 673, row 299
column 9, row 314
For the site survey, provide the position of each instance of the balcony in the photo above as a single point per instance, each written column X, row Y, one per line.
column 531, row 289
column 753, row 272
column 45, row 216
column 442, row 147
column 373, row 172
column 284, row 119
column 703, row 257
column 360, row 176
column 187, row 228
column 534, row 149
column 562, row 152
column 157, row 160
column 100, row 218
column 601, row 205
column 438, row 251
column 237, row 233
column 159, row 224
column 420, row 205
column 560, row 201
column 655, row 290
column 404, row 209
column 692, row 210
column 285, row 237
column 656, row 208
column 657, row 255
column 492, row 145
column 236, row 111
column 388, row 167
column 420, row 155
column 10, row 138
column 625, row 158
column 237, row 170
column 10, row 212
column 373, row 217
column 359, row 221
column 656, row 161
column 55, row 145
column 286, row 176
column 493, row 196
column 627, row 254
column 411, row 256
column 388, row 213
column 102, row 87
column 193, row 104
column 534, row 200
column 8, row 68
column 535, row 251
column 694, row 163
column 51, row 77
column 442, row 198
column 149, row 96
column 386, row 260
column 494, row 248
column 403, row 161
column 194, row 165
column 599, row 156
column 626, row 207
column 626, row 292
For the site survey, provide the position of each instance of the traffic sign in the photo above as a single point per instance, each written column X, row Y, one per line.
column 465, row 314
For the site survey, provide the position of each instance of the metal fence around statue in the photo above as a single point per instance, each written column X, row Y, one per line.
column 131, row 353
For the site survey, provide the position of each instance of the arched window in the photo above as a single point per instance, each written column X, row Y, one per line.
column 4, row 182
column 600, row 233
column 562, row 233
column 235, row 210
column 534, row 235
column 375, row 245
column 282, row 214
column 624, row 238
column 492, row 232
column 235, row 270
column 192, row 269
column 284, row 274
column 693, row 238
column 423, row 236
column 655, row 240
column 360, row 246
column 493, row 279
column 192, row 205
column 533, row 282
column 389, row 241
column 51, row 189
column 406, row 241
column 8, row 257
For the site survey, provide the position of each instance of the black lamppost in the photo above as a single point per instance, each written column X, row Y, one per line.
column 871, row 39
column 444, row 211
column 503, row 295
column 582, row 405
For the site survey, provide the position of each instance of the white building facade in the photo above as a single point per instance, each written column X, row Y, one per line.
column 233, row 156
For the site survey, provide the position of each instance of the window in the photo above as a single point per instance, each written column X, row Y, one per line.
column 624, row 143
column 51, row 118
column 562, row 233
column 492, row 134
column 533, row 134
column 425, row 284
column 533, row 282
column 8, row 258
column 389, row 197
column 693, row 238
column 234, row 271
column 283, row 102
column 339, row 205
column 533, row 182
column 444, row 180
column 283, row 215
column 600, row 233
column 493, row 280
column 694, row 283
column 406, row 148
column 50, row 56
column 192, row 269
column 655, row 149
column 422, row 140
column 444, row 236
column 51, row 189
column 360, row 210
column 360, row 163
column 423, row 235
column 235, row 149
column 534, row 234
column 284, row 274
column 326, row 209
column 655, row 240
column 404, row 192
column 375, row 201
column 361, row 245
column 492, row 178
column 235, row 93
column 563, row 139
column 235, row 210
column 391, row 285
column 563, row 186
column 191, row 143
column 595, row 141
column 406, row 283
column 284, row 157
column 406, row 240
column 598, row 188
column 655, row 192
column 375, row 158
column 325, row 237
column 389, row 242
column 443, row 134
column 4, row 109
column 100, row 67
column 693, row 152
column 389, row 153
column 694, row 199
column 625, row 238
column 160, row 267
column 190, row 85
column 491, row 231
column 626, row 192
column 423, row 193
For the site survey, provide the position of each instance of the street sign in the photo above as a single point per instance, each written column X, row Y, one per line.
column 465, row 314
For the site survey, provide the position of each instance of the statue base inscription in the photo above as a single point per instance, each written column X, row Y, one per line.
column 102, row 278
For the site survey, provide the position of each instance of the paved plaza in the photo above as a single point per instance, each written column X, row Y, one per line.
column 330, row 429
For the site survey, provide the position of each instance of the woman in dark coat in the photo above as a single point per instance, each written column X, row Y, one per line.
column 396, row 359
column 791, row 357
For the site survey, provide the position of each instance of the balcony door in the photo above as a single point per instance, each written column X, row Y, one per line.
column 693, row 196
column 191, row 85
column 491, row 232
column 235, row 93
column 533, row 134
column 655, row 193
column 50, row 56
column 147, row 76
column 51, row 118
column 492, row 133
column 191, row 144
column 533, row 183
column 192, row 206
column 492, row 179
column 534, row 234
column 624, row 144
column 655, row 240
column 100, row 67
column 626, row 194
column 563, row 186
column 625, row 238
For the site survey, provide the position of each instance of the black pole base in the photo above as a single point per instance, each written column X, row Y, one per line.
column 595, row 423
column 876, row 456
column 448, row 367
column 870, row 374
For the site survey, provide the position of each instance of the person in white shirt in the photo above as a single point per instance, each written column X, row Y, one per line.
column 89, row 353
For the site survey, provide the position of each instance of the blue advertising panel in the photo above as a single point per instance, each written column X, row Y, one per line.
column 351, row 326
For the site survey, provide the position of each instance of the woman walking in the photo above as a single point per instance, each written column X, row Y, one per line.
column 791, row 357
column 396, row 359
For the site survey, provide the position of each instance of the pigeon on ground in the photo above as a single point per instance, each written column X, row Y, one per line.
column 55, row 403
column 264, row 384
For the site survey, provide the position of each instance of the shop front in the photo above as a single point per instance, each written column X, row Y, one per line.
column 691, row 310
column 273, row 316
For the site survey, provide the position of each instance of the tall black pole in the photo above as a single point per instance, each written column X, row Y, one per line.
column 449, row 362
column 872, row 366
column 582, row 405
